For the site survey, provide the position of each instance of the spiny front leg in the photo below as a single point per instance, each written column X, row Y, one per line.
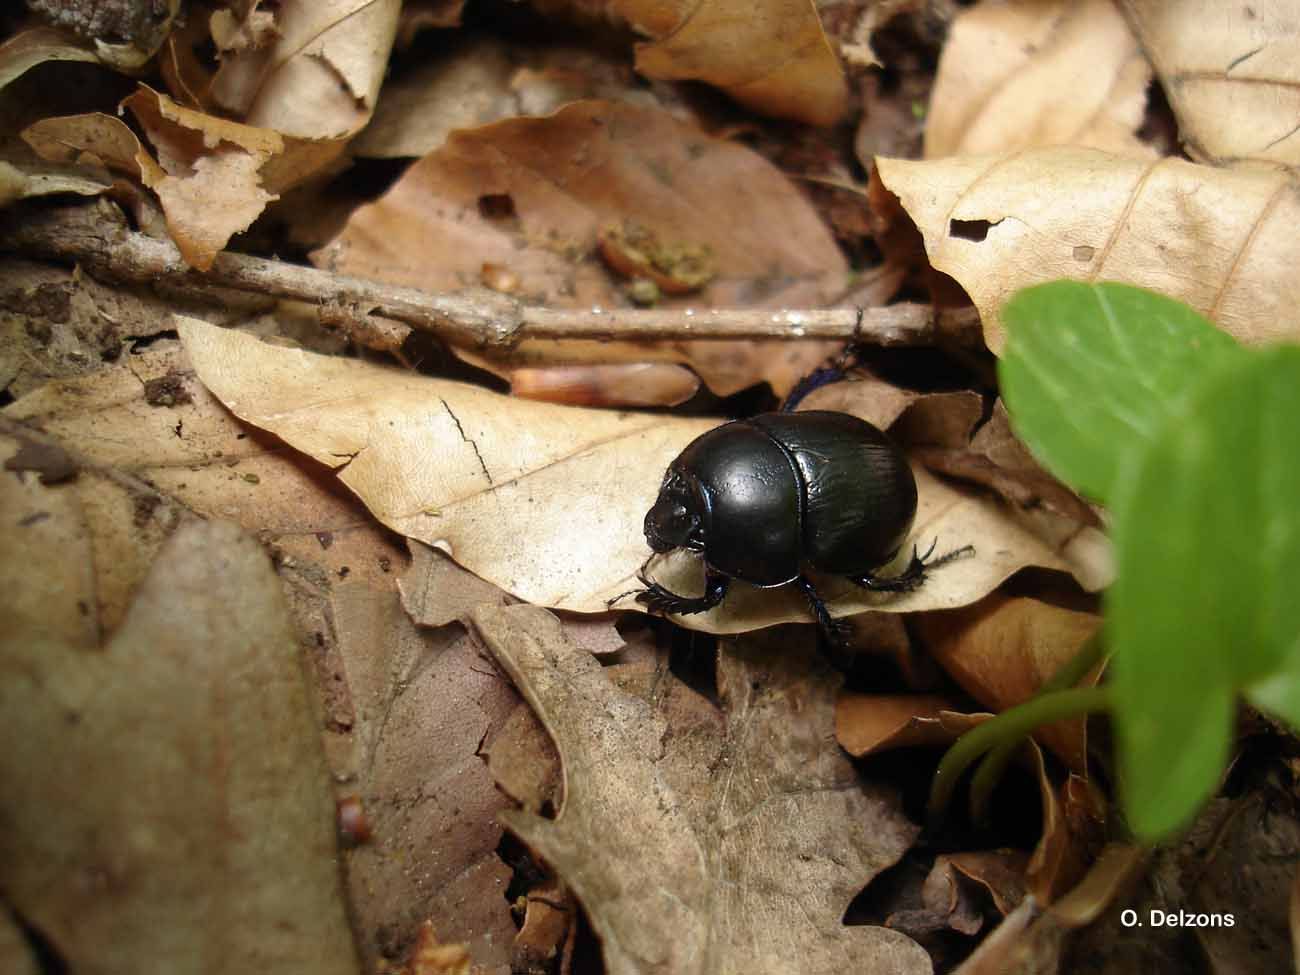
column 658, row 599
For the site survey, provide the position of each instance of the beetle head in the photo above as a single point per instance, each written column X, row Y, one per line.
column 675, row 519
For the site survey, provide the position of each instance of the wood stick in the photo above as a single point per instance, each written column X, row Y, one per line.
column 93, row 235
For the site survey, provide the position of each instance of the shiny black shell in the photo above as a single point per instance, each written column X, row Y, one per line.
column 780, row 491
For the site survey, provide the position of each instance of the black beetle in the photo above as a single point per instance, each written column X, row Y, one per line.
column 765, row 498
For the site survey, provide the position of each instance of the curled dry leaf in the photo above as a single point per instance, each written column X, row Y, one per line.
column 868, row 723
column 770, row 56
column 1222, row 241
column 1029, row 73
column 320, row 77
column 957, row 892
column 1003, row 648
column 681, row 868
column 178, row 767
column 25, row 50
column 531, row 196
column 93, row 138
column 420, row 702
column 546, row 502
column 209, row 177
column 1232, row 76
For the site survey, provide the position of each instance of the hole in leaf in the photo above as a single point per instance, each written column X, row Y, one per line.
column 975, row 230
column 497, row 206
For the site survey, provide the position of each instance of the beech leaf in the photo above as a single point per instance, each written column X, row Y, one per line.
column 684, row 885
column 546, row 502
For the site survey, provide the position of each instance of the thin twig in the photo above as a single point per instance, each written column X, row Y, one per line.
column 89, row 235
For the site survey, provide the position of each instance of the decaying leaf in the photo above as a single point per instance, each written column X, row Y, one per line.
column 957, row 891
column 545, row 502
column 420, row 703
column 193, row 451
column 209, row 174
column 1222, row 241
column 166, row 797
column 531, row 197
column 320, row 77
column 770, row 56
column 1029, row 73
column 1232, row 75
column 748, row 871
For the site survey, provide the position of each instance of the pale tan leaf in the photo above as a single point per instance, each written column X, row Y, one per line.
column 683, row 869
column 770, row 56
column 1222, row 241
column 1029, row 73
column 547, row 502
column 320, row 78
column 531, row 197
column 1232, row 75
column 177, row 766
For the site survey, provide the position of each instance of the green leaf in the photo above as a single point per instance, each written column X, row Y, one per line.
column 1207, row 545
column 1090, row 371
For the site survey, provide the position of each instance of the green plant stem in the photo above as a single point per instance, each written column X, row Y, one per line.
column 989, row 774
column 1012, row 724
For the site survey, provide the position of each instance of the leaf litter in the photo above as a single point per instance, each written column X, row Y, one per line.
column 756, row 849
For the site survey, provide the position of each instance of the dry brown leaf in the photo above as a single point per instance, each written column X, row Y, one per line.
column 675, row 885
column 867, row 723
column 550, row 917
column 147, row 417
column 1002, row 649
column 209, row 179
column 320, row 78
column 106, row 140
column 420, row 703
column 615, row 384
column 771, row 56
column 29, row 48
column 486, row 80
column 957, row 891
column 167, row 794
column 436, row 591
column 546, row 502
column 1029, row 73
column 531, row 196
column 1222, row 241
column 21, row 183
column 1232, row 75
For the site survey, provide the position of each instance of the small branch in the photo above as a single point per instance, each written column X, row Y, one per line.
column 93, row 236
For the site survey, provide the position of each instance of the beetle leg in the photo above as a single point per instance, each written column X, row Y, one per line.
column 836, row 631
column 826, row 375
column 911, row 577
column 655, row 597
